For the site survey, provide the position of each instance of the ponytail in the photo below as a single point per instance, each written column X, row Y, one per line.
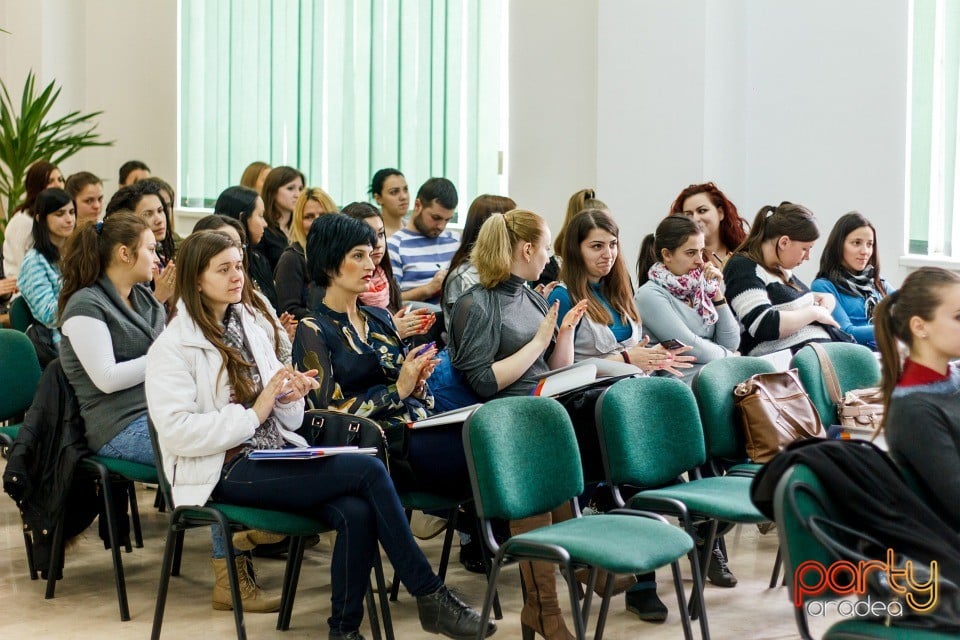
column 887, row 344
column 492, row 254
column 89, row 249
column 647, row 258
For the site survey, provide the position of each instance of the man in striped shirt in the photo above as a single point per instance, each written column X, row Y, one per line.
column 421, row 251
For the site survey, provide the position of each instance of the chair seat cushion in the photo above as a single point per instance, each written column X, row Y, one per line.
column 130, row 470
column 282, row 522
column 617, row 543
column 11, row 431
column 725, row 498
column 745, row 469
column 876, row 630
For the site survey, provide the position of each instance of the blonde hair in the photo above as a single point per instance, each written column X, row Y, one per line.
column 492, row 253
column 317, row 195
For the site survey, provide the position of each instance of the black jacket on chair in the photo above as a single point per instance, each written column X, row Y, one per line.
column 40, row 467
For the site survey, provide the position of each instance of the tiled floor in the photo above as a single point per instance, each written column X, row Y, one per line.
column 85, row 605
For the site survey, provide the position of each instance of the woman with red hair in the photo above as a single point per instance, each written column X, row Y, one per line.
column 723, row 228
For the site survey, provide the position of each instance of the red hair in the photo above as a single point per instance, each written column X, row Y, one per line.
column 732, row 227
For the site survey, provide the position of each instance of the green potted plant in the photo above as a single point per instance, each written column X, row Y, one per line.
column 31, row 134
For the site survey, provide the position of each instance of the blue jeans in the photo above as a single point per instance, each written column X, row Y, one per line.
column 353, row 494
column 131, row 444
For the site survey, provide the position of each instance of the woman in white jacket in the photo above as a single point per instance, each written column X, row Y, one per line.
column 216, row 392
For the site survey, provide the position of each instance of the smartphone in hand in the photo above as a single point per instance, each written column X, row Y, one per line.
column 672, row 344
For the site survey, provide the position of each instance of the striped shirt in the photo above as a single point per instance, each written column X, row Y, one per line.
column 416, row 258
column 757, row 297
column 40, row 283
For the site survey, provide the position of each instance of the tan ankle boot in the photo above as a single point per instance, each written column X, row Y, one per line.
column 249, row 538
column 254, row 599
column 541, row 611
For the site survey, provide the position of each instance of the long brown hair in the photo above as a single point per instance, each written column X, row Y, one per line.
column 920, row 295
column 196, row 252
column 831, row 260
column 492, row 253
column 579, row 201
column 278, row 177
column 615, row 286
column 731, row 229
column 38, row 175
column 89, row 250
column 792, row 220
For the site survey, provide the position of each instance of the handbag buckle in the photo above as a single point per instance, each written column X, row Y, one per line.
column 354, row 427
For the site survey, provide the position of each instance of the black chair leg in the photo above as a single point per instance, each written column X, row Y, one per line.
column 485, row 554
column 604, row 607
column 178, row 552
column 372, row 613
column 681, row 601
column 448, row 542
column 56, row 559
column 107, row 488
column 232, row 577
column 777, row 563
column 28, row 547
column 291, row 576
column 169, row 549
column 382, row 593
column 135, row 515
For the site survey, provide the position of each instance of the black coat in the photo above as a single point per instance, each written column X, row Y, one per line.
column 40, row 467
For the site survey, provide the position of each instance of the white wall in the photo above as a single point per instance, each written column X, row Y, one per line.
column 772, row 99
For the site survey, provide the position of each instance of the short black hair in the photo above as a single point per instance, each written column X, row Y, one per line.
column 330, row 239
column 129, row 167
column 438, row 190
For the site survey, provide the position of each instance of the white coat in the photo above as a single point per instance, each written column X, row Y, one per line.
column 188, row 398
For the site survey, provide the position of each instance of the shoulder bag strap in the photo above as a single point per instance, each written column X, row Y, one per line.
column 829, row 374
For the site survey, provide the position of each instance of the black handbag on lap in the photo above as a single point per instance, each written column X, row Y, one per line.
column 327, row 428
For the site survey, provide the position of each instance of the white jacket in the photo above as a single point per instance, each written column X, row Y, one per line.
column 189, row 402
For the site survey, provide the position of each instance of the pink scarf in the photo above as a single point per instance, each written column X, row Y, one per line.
column 378, row 292
column 691, row 287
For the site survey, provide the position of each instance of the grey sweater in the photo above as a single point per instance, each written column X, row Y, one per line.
column 492, row 324
column 923, row 433
column 132, row 332
column 666, row 317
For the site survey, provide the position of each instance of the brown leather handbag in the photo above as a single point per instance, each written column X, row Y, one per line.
column 774, row 411
column 859, row 411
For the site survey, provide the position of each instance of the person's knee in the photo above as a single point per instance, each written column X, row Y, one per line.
column 350, row 514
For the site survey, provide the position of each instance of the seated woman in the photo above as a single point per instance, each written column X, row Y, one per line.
column 389, row 188
column 461, row 275
column 776, row 309
column 723, row 228
column 580, row 201
column 290, row 276
column 596, row 273
column 145, row 199
column 383, row 291
column 850, row 272
column 243, row 204
column 681, row 294
column 504, row 337
column 18, row 233
column 39, row 279
column 216, row 391
column 281, row 189
column 922, row 396
column 365, row 368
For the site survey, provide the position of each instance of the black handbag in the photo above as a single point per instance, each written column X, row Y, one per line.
column 42, row 338
column 328, row 428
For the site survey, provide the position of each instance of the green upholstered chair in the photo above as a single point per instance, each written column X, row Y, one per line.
column 230, row 517
column 650, row 435
column 713, row 389
column 523, row 459
column 19, row 375
column 856, row 367
column 799, row 500
column 20, row 316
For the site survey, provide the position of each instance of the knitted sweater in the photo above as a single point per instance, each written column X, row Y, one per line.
column 757, row 297
column 923, row 433
column 132, row 331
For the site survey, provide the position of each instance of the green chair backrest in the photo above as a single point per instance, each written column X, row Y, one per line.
column 856, row 367
column 800, row 496
column 20, row 316
column 650, row 431
column 522, row 456
column 713, row 389
column 19, row 373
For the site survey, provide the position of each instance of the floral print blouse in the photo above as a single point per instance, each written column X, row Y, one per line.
column 355, row 376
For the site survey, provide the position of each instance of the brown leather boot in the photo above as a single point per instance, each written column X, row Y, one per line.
column 541, row 612
column 253, row 598
column 247, row 539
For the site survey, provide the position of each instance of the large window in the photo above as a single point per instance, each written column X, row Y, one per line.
column 340, row 89
column 933, row 178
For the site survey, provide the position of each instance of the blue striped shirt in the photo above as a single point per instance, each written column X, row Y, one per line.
column 40, row 283
column 416, row 258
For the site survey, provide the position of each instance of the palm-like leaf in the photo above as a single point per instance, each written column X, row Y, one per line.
column 29, row 135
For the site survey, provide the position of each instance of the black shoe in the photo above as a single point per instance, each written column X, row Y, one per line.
column 443, row 612
column 349, row 635
column 646, row 605
column 280, row 549
column 719, row 573
column 471, row 557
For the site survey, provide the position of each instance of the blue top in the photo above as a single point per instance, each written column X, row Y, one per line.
column 415, row 258
column 621, row 331
column 849, row 312
column 40, row 283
